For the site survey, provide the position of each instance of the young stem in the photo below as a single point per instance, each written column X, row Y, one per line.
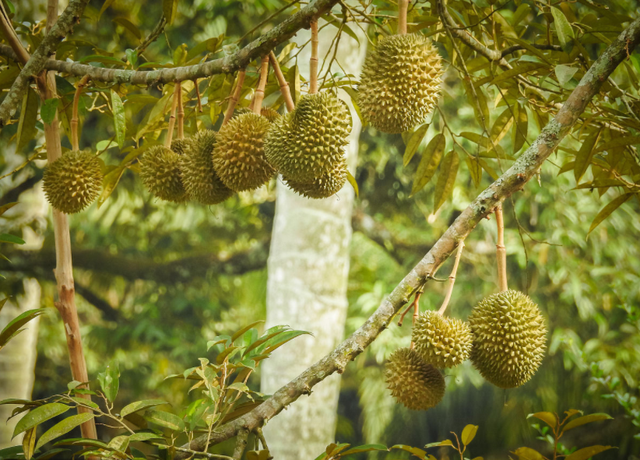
column 262, row 83
column 172, row 117
column 180, row 112
column 234, row 98
column 313, row 62
column 403, row 5
column 75, row 138
column 195, row 83
column 501, row 252
column 284, row 86
column 452, row 279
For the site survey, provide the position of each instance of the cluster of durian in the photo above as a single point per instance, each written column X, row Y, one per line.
column 400, row 83
column 505, row 339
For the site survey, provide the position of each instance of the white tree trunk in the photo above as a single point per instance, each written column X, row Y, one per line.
column 308, row 274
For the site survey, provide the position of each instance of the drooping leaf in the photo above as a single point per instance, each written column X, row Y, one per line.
column 365, row 448
column 446, row 179
column 608, row 209
column 29, row 442
column 429, row 162
column 520, row 128
column 105, row 5
column 475, row 170
column 165, row 419
column 63, row 427
column 15, row 325
column 562, row 26
column 170, row 9
column 586, row 419
column 28, row 117
column 585, row 155
column 520, row 69
column 546, row 417
column 7, row 238
column 128, row 25
column 137, row 406
column 119, row 120
column 526, row 453
column 110, row 380
column 468, row 433
column 564, row 73
column 414, row 142
column 354, row 184
column 49, row 109
column 501, row 125
column 587, row 452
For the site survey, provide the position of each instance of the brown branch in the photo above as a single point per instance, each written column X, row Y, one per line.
column 262, row 84
column 172, row 116
column 241, row 444
column 514, row 179
column 313, row 61
column 234, row 98
column 403, row 5
column 452, row 279
column 284, row 86
column 501, row 252
column 19, row 52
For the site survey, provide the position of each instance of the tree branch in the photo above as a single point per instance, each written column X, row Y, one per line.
column 511, row 181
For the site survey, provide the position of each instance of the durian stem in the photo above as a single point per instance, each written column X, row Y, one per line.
column 412, row 305
column 501, row 252
column 172, row 117
column 234, row 97
column 195, row 83
column 403, row 5
column 313, row 62
column 452, row 279
column 180, row 112
column 75, row 138
column 259, row 97
column 284, row 86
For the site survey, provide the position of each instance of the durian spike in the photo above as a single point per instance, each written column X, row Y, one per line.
column 262, row 83
column 452, row 279
column 195, row 83
column 313, row 62
column 284, row 86
column 172, row 117
column 501, row 252
column 402, row 16
column 75, row 139
column 180, row 112
column 234, row 97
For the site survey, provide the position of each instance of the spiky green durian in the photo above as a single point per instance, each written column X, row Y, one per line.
column 180, row 146
column 160, row 173
column 238, row 156
column 267, row 112
column 199, row 178
column 323, row 187
column 510, row 338
column 413, row 383
column 309, row 142
column 400, row 82
column 443, row 342
column 73, row 181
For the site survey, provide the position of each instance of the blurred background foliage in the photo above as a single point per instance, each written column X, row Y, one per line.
column 156, row 281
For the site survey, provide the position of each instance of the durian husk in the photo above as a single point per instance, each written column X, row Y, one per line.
column 199, row 178
column 441, row 341
column 180, row 146
column 160, row 173
column 267, row 112
column 323, row 187
column 73, row 181
column 238, row 156
column 309, row 142
column 510, row 338
column 400, row 83
column 413, row 383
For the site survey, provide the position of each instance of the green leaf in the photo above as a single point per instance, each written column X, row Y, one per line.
column 137, row 406
column 429, row 162
column 414, row 142
column 520, row 128
column 413, row 450
column 119, row 121
column 354, row 184
column 132, row 57
column 586, row 419
column 225, row 353
column 365, row 448
column 585, row 155
column 119, row 443
column 562, row 25
column 15, row 325
column 170, row 8
column 587, row 452
column 85, row 402
column 468, row 433
column 2, row 302
column 446, row 442
column 241, row 331
column 619, row 142
column 7, row 238
column 546, row 417
column 63, row 427
column 607, row 210
column 107, row 60
column 165, row 419
column 110, row 380
column 29, row 442
column 105, row 5
column 28, row 117
column 128, row 25
column 49, row 109
column 210, row 45
column 283, row 338
column 564, row 73
column 446, row 179
column 501, row 126
column 526, row 453
column 521, row 69
column 143, row 436
column 475, row 170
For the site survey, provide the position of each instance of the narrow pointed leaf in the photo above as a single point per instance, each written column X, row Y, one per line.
column 170, row 8
column 354, row 184
column 587, row 452
column 562, row 26
column 520, row 69
column 526, row 453
column 414, row 142
column 446, row 179
column 520, row 128
column 608, row 209
column 49, row 109
column 29, row 442
column 8, row 238
column 165, row 419
column 501, row 125
column 241, row 332
column 137, row 406
column 28, row 117
column 586, row 419
column 63, row 427
column 429, row 162
column 119, row 122
column 585, row 155
column 16, row 324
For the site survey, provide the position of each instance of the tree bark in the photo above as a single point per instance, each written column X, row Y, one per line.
column 308, row 274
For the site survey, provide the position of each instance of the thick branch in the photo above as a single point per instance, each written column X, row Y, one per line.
column 511, row 181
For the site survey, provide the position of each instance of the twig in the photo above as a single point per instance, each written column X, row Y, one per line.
column 402, row 16
column 284, row 86
column 10, row 35
column 75, row 141
column 234, row 97
column 501, row 251
column 263, row 441
column 202, row 454
column 241, row 443
column 195, row 84
column 172, row 116
column 155, row 33
column 411, row 306
column 452, row 279
column 180, row 111
column 262, row 83
column 313, row 62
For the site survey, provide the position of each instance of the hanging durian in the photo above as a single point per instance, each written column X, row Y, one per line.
column 180, row 146
column 509, row 338
column 200, row 179
column 160, row 173
column 413, row 383
column 400, row 83
column 267, row 112
column 73, row 181
column 323, row 187
column 238, row 156
column 441, row 341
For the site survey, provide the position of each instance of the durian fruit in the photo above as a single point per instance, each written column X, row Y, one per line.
column 441, row 341
column 180, row 146
column 400, row 83
column 413, row 383
column 200, row 180
column 160, row 173
column 238, row 155
column 509, row 338
column 323, row 187
column 73, row 181
column 309, row 142
column 267, row 112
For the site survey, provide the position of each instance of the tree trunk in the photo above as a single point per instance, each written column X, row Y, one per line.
column 308, row 273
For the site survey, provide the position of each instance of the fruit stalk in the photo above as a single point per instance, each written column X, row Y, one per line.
column 402, row 16
column 234, row 98
column 284, row 86
column 172, row 117
column 180, row 112
column 75, row 138
column 313, row 62
column 452, row 279
column 501, row 252
column 262, row 83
